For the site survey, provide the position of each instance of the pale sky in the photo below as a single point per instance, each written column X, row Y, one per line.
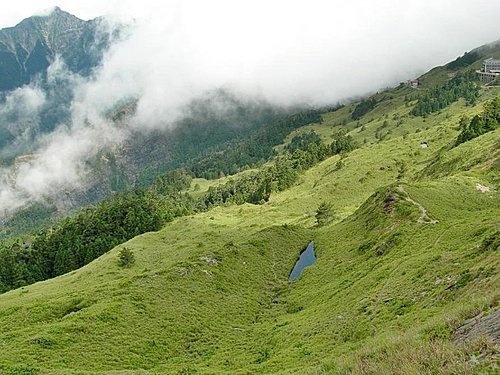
column 14, row 11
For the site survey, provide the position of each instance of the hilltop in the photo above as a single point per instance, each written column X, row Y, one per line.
column 408, row 258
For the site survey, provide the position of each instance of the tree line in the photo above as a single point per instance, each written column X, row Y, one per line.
column 229, row 148
column 76, row 241
column 461, row 62
column 480, row 124
column 253, row 151
column 438, row 98
column 362, row 108
column 304, row 151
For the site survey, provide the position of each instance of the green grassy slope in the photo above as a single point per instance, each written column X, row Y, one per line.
column 191, row 292
column 209, row 293
column 385, row 284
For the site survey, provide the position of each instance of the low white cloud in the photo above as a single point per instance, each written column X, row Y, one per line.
column 21, row 108
column 286, row 52
column 58, row 166
column 45, row 12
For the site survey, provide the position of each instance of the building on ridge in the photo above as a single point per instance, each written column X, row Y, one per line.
column 490, row 70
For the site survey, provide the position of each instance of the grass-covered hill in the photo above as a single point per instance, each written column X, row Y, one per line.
column 407, row 254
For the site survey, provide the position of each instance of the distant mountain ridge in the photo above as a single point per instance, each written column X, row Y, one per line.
column 28, row 49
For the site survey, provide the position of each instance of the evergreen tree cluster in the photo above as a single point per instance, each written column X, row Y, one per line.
column 303, row 141
column 324, row 213
column 463, row 61
column 485, row 122
column 76, row 241
column 363, row 108
column 172, row 181
column 126, row 257
column 236, row 155
column 23, row 221
column 281, row 174
column 438, row 98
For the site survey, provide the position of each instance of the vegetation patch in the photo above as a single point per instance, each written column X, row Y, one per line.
column 126, row 257
column 438, row 98
column 363, row 108
column 480, row 124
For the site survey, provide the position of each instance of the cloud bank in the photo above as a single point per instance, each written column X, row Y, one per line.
column 285, row 52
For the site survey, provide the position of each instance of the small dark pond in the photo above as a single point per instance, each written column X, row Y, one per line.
column 306, row 259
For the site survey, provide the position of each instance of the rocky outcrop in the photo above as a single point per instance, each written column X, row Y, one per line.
column 479, row 326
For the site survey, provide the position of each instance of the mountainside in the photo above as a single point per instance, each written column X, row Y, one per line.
column 34, row 107
column 27, row 49
column 406, row 235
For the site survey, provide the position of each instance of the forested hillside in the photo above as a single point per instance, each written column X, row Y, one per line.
column 76, row 241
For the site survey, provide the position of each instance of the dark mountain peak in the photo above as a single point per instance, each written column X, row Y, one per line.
column 47, row 26
column 58, row 13
column 27, row 49
column 54, row 12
